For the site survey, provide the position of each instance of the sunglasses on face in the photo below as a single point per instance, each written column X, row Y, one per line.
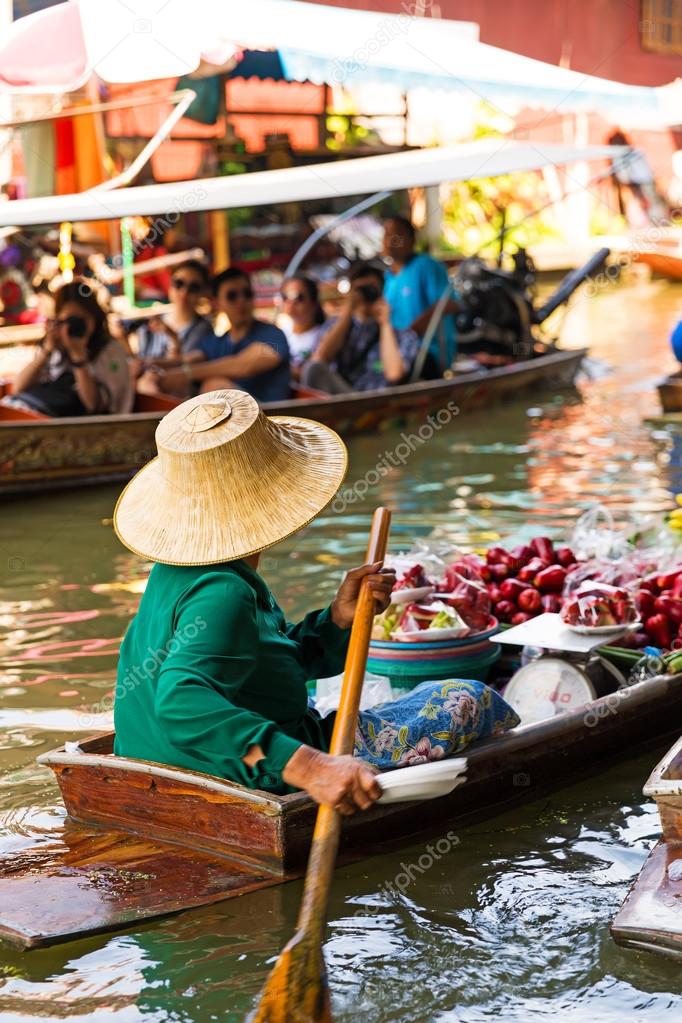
column 300, row 297
column 233, row 294
column 180, row 284
column 76, row 326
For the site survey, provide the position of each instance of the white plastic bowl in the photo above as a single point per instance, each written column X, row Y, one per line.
column 411, row 595
column 423, row 781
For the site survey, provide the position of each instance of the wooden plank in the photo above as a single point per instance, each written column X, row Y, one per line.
column 86, row 880
column 650, row 919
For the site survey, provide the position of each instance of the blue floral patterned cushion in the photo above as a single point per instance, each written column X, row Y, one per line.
column 435, row 720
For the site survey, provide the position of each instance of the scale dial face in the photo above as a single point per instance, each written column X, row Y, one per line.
column 547, row 687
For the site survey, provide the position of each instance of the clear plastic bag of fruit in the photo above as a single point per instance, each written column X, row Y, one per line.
column 596, row 536
column 432, row 557
column 598, row 605
column 621, row 572
column 468, row 596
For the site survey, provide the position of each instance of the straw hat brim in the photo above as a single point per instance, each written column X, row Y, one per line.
column 176, row 525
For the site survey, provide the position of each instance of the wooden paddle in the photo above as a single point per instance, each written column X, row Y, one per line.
column 297, row 989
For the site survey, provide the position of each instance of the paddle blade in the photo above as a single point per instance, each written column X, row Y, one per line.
column 296, row 990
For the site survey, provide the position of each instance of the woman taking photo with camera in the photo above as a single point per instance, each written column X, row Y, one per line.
column 78, row 369
column 361, row 350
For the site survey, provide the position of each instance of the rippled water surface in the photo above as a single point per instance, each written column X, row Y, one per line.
column 512, row 922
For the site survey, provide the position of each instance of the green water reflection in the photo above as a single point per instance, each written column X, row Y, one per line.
column 513, row 922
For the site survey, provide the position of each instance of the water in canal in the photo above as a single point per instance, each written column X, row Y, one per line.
column 512, row 922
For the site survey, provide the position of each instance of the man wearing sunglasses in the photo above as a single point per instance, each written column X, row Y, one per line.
column 164, row 341
column 252, row 355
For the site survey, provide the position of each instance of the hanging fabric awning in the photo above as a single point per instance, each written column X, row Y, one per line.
column 331, row 44
column 363, row 176
column 56, row 49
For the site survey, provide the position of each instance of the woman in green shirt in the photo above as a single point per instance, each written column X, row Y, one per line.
column 211, row 676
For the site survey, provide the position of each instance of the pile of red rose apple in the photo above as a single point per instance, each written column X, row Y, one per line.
column 528, row 580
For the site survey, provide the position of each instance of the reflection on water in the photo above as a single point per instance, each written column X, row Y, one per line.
column 513, row 921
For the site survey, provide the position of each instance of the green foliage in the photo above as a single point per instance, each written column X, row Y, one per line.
column 474, row 212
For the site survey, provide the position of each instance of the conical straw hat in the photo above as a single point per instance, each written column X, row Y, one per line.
column 228, row 481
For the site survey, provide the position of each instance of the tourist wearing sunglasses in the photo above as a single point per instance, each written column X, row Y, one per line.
column 303, row 318
column 78, row 369
column 252, row 355
column 163, row 341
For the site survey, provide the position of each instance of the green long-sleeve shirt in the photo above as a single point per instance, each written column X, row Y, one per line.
column 210, row 667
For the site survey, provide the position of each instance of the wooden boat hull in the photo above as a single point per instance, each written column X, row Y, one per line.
column 665, row 264
column 670, row 393
column 650, row 919
column 42, row 454
column 245, row 840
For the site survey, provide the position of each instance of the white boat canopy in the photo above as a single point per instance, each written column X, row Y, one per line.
column 363, row 176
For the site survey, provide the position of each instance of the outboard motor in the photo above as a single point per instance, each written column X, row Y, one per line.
column 498, row 313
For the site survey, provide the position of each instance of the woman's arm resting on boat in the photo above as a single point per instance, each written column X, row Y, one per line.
column 345, row 783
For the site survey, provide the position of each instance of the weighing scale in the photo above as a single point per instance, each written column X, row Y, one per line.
column 566, row 672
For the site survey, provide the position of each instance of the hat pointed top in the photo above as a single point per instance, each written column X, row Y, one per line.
column 206, row 415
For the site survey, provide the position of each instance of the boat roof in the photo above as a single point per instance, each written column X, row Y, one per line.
column 360, row 176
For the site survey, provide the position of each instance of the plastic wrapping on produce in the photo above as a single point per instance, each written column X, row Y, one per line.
column 469, row 597
column 376, row 689
column 596, row 536
column 431, row 555
column 637, row 546
column 621, row 573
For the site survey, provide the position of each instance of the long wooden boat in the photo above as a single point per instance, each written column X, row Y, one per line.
column 650, row 919
column 38, row 453
column 142, row 840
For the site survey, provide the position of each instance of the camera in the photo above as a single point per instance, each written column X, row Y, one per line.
column 369, row 292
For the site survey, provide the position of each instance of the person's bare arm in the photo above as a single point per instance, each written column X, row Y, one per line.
column 27, row 376
column 332, row 340
column 256, row 358
column 392, row 362
column 345, row 783
column 86, row 386
column 420, row 325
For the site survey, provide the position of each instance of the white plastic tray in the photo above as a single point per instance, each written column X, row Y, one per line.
column 423, row 781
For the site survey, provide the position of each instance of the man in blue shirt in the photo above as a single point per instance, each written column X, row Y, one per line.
column 253, row 355
column 413, row 286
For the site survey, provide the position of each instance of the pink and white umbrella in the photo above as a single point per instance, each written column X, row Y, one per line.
column 58, row 49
